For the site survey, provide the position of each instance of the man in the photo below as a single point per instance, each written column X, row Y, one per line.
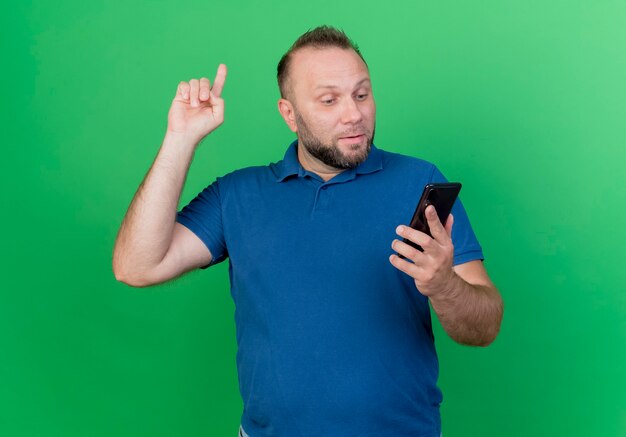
column 334, row 335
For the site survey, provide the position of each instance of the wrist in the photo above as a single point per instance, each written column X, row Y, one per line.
column 180, row 140
column 450, row 289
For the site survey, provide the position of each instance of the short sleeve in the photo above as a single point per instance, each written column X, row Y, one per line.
column 203, row 217
column 466, row 246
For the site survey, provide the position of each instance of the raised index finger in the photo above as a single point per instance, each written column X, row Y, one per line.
column 218, row 83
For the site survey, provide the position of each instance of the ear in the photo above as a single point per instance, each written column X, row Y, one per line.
column 286, row 110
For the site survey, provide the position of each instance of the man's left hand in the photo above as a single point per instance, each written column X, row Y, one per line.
column 431, row 269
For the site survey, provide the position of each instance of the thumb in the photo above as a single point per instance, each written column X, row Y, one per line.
column 449, row 224
column 217, row 105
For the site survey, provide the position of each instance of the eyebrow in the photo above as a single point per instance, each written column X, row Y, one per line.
column 365, row 79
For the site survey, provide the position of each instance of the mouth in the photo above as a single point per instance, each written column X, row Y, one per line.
column 353, row 138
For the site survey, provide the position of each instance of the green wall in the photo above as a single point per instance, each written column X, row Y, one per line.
column 522, row 101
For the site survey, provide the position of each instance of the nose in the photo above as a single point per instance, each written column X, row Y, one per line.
column 351, row 113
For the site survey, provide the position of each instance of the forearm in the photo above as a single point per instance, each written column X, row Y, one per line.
column 470, row 314
column 146, row 231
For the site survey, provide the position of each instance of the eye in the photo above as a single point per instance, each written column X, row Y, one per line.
column 328, row 101
column 361, row 97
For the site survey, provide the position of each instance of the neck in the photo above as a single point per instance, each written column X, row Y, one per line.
column 312, row 164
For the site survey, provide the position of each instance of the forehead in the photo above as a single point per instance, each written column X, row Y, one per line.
column 332, row 66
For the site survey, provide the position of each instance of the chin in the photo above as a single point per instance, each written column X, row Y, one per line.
column 356, row 154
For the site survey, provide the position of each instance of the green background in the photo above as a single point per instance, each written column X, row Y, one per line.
column 522, row 101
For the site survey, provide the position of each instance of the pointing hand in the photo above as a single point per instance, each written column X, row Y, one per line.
column 198, row 108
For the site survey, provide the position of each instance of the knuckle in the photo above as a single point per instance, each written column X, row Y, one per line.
column 410, row 251
column 411, row 234
column 403, row 248
column 427, row 277
column 447, row 251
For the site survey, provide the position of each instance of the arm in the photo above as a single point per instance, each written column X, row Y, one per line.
column 466, row 301
column 471, row 311
column 151, row 247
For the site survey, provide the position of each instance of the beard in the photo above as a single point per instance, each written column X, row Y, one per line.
column 331, row 154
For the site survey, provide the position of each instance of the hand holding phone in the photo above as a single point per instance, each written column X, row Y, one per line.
column 442, row 196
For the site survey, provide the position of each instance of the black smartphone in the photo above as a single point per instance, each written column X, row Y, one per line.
column 442, row 196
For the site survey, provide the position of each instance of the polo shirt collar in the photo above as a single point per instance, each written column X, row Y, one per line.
column 291, row 166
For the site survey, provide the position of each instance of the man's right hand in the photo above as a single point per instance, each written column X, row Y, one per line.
column 197, row 108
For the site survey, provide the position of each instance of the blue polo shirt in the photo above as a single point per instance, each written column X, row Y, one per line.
column 332, row 339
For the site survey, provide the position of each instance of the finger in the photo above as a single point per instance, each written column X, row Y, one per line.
column 182, row 91
column 449, row 224
column 415, row 236
column 220, row 78
column 436, row 228
column 407, row 251
column 409, row 268
column 205, row 88
column 193, row 94
column 217, row 106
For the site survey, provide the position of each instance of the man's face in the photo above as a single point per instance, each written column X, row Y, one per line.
column 334, row 109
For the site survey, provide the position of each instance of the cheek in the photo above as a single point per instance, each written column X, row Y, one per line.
column 323, row 122
column 370, row 111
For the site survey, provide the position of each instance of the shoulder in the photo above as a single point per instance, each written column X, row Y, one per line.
column 247, row 176
column 405, row 163
column 247, row 172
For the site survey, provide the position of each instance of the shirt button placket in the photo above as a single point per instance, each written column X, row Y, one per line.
column 321, row 199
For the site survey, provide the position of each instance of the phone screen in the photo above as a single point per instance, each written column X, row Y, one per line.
column 442, row 196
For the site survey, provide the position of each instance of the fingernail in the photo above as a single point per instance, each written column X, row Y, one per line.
column 400, row 229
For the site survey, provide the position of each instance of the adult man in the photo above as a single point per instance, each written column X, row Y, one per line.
column 334, row 335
